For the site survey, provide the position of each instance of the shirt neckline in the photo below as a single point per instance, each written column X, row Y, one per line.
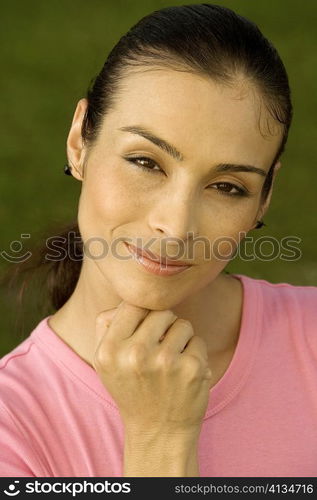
column 221, row 393
column 232, row 381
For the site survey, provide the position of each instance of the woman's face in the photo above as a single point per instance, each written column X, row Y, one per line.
column 177, row 198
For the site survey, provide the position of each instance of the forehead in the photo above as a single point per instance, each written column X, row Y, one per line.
column 198, row 115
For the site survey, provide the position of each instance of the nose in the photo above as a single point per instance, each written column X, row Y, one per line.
column 174, row 216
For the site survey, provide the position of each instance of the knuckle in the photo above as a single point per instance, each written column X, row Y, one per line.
column 102, row 359
column 137, row 354
column 165, row 359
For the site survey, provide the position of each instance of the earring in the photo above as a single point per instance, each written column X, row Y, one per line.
column 67, row 170
column 259, row 224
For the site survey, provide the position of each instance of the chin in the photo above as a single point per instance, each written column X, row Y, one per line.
column 155, row 300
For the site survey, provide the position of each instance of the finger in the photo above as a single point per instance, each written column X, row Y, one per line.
column 178, row 335
column 104, row 318
column 103, row 321
column 197, row 347
column 126, row 320
column 154, row 327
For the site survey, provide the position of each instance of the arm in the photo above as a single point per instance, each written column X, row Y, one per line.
column 156, row 369
column 160, row 456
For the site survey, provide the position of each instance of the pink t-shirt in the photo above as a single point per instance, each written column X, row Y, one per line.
column 57, row 418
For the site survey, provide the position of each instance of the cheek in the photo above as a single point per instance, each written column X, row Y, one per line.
column 225, row 231
column 229, row 221
column 107, row 200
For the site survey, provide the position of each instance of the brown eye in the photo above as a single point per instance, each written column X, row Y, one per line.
column 228, row 187
column 145, row 160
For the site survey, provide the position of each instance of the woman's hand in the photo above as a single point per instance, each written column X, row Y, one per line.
column 155, row 368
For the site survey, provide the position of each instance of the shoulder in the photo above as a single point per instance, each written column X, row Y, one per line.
column 21, row 371
column 302, row 299
column 15, row 372
column 16, row 359
column 297, row 303
column 287, row 308
column 305, row 297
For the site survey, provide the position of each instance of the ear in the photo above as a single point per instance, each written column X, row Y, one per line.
column 263, row 209
column 75, row 147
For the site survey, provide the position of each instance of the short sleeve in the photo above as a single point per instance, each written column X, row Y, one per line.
column 16, row 458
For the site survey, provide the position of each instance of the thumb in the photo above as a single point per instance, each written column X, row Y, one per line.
column 103, row 321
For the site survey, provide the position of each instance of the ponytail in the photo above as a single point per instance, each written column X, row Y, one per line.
column 50, row 279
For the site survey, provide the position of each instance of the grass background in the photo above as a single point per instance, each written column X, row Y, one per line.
column 49, row 53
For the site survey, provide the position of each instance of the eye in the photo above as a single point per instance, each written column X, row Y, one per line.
column 227, row 185
column 136, row 159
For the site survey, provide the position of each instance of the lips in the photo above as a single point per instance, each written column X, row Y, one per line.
column 155, row 258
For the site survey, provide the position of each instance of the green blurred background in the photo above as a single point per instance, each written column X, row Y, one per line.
column 50, row 51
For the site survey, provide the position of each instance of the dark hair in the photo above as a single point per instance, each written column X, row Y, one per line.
column 204, row 39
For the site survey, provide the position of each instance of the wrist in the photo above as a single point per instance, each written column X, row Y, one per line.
column 160, row 454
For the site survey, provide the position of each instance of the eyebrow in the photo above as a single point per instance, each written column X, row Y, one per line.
column 174, row 153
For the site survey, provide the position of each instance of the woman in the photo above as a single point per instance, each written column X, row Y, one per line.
column 157, row 362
